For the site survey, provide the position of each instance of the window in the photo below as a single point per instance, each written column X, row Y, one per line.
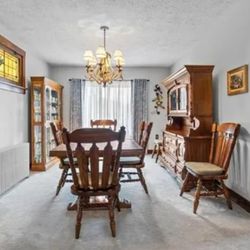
column 111, row 102
column 9, row 66
column 12, row 60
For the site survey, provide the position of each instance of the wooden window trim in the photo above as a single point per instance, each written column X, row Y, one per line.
column 9, row 85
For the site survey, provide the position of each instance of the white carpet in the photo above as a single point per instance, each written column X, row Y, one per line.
column 31, row 218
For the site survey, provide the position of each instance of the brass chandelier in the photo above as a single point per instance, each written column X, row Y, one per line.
column 99, row 67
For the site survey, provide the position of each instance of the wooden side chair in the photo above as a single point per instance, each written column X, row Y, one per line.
column 157, row 149
column 136, row 162
column 210, row 175
column 104, row 124
column 64, row 162
column 141, row 129
column 95, row 177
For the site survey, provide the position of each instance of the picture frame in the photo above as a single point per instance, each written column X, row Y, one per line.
column 237, row 80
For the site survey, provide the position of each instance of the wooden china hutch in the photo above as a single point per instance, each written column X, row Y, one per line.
column 46, row 107
column 188, row 133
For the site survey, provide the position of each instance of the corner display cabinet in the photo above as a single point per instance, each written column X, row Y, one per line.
column 46, row 107
column 188, row 133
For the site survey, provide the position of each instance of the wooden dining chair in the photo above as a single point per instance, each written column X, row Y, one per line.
column 95, row 177
column 56, row 128
column 136, row 163
column 211, row 175
column 157, row 149
column 104, row 124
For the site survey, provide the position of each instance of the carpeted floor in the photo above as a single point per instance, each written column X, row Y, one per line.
column 32, row 218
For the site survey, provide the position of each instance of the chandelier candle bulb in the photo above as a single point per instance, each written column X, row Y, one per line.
column 99, row 67
column 88, row 55
column 100, row 52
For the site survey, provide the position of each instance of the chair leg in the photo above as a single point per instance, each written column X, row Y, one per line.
column 112, row 215
column 78, row 218
column 118, row 204
column 154, row 150
column 62, row 180
column 226, row 194
column 157, row 155
column 120, row 172
column 142, row 180
column 197, row 195
column 184, row 183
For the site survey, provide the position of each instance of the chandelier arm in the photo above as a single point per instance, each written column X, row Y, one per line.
column 96, row 74
column 118, row 71
column 96, row 79
column 92, row 75
column 115, row 75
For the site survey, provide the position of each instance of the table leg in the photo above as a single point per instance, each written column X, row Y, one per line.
column 154, row 150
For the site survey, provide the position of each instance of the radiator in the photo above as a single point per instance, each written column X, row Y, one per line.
column 14, row 165
column 239, row 170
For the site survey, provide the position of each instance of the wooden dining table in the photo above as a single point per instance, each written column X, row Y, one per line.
column 129, row 148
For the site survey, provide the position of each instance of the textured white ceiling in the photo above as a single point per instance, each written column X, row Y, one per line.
column 150, row 33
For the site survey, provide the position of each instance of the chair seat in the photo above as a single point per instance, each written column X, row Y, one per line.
column 90, row 181
column 66, row 161
column 130, row 160
column 204, row 168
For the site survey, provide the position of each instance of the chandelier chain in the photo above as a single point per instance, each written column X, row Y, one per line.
column 104, row 39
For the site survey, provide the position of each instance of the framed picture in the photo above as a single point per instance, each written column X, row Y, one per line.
column 237, row 80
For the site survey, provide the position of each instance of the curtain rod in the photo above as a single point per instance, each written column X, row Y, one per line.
column 70, row 79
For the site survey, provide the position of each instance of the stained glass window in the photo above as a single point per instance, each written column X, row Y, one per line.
column 12, row 61
column 1, row 63
column 9, row 67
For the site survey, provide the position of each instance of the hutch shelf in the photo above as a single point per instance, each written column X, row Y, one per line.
column 46, row 107
column 187, row 135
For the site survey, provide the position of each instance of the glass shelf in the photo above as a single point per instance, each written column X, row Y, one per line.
column 38, row 144
column 37, row 104
column 48, row 142
column 47, row 105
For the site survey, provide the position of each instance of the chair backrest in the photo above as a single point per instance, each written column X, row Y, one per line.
column 223, row 141
column 141, row 129
column 92, row 144
column 104, row 124
column 56, row 128
column 145, row 130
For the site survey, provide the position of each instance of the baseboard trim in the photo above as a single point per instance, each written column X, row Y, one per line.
column 241, row 201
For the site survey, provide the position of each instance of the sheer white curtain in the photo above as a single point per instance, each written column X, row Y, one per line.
column 110, row 102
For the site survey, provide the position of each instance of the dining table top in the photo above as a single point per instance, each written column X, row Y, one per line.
column 129, row 148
